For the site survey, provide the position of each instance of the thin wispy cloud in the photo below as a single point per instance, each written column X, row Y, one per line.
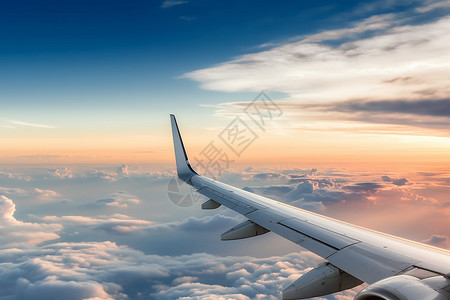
column 188, row 18
column 115, row 224
column 431, row 5
column 375, row 23
column 368, row 7
column 21, row 123
column 171, row 3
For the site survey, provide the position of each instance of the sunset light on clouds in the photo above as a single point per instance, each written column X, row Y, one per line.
column 359, row 131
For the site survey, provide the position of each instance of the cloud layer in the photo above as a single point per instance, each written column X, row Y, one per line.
column 390, row 68
column 104, row 270
column 154, row 249
column 407, row 61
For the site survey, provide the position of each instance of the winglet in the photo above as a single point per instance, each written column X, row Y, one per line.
column 184, row 169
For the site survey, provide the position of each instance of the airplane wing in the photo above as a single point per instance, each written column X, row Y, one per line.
column 394, row 268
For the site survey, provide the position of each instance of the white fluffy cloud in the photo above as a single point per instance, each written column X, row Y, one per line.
column 123, row 224
column 117, row 223
column 61, row 172
column 111, row 270
column 108, row 271
column 120, row 199
column 110, row 174
column 386, row 69
column 402, row 62
column 46, row 195
column 15, row 233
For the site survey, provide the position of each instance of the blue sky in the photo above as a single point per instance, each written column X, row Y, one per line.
column 86, row 88
column 113, row 70
column 59, row 55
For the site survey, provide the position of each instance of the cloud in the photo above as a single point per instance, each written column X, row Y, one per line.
column 115, row 224
column 267, row 176
column 383, row 68
column 387, row 115
column 397, row 181
column 367, row 7
column 187, row 18
column 328, row 192
column 48, row 272
column 107, row 268
column 62, row 173
column 300, row 190
column 123, row 170
column 30, row 124
column 438, row 241
column 364, row 187
column 316, row 71
column 15, row 233
column 423, row 108
column 314, row 192
column 208, row 223
column 319, row 190
column 52, row 288
column 108, row 271
column 46, row 195
column 7, row 210
column 12, row 191
column 120, row 200
column 110, row 174
column 40, row 156
column 101, row 174
column 425, row 113
column 410, row 196
column 6, row 174
column 172, row 3
column 374, row 23
column 431, row 5
column 119, row 223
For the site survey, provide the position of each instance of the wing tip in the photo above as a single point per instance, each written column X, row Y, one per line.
column 184, row 168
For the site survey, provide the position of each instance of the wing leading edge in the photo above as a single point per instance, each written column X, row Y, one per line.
column 354, row 254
